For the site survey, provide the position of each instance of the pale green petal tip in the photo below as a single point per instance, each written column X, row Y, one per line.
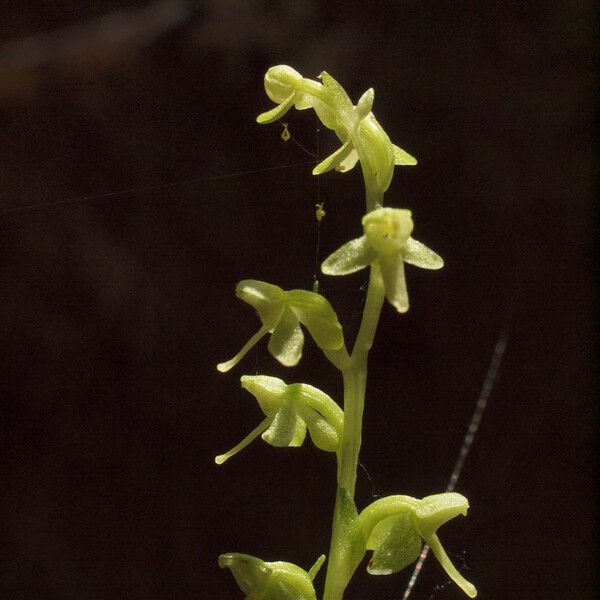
column 418, row 254
column 365, row 104
column 287, row 340
column 403, row 158
column 272, row 115
column 334, row 160
column 224, row 366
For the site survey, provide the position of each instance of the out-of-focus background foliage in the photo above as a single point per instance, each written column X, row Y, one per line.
column 136, row 189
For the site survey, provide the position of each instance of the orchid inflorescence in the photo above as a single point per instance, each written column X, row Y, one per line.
column 395, row 527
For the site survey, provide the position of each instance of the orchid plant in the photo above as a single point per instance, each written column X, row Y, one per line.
column 395, row 527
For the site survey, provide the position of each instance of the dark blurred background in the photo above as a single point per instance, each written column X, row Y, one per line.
column 136, row 189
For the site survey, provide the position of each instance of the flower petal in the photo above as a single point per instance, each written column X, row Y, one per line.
column 287, row 339
column 322, row 433
column 403, row 158
column 267, row 390
column 365, row 103
column 394, row 281
column 323, row 404
column 348, row 163
column 281, row 81
column 398, row 545
column 318, row 316
column 433, row 511
column 286, row 429
column 333, row 160
column 267, row 299
column 349, row 258
column 376, row 152
column 419, row 255
column 277, row 112
column 338, row 93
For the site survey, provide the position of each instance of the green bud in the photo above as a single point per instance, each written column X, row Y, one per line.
column 280, row 82
column 261, row 580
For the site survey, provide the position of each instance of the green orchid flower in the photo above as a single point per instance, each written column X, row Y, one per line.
column 394, row 528
column 289, row 411
column 361, row 135
column 261, row 580
column 387, row 241
column 281, row 313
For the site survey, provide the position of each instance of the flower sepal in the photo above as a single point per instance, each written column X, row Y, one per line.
column 261, row 580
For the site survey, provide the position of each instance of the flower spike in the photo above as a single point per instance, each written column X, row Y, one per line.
column 289, row 411
column 394, row 527
column 281, row 314
column 386, row 240
column 262, row 580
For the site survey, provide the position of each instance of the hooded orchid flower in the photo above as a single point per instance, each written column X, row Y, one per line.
column 394, row 528
column 281, row 313
column 289, row 411
column 386, row 240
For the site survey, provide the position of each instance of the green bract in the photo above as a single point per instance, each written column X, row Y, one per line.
column 262, row 580
column 393, row 528
column 386, row 240
column 361, row 135
column 281, row 314
column 289, row 411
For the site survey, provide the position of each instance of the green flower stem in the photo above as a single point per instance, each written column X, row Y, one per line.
column 338, row 358
column 355, row 380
